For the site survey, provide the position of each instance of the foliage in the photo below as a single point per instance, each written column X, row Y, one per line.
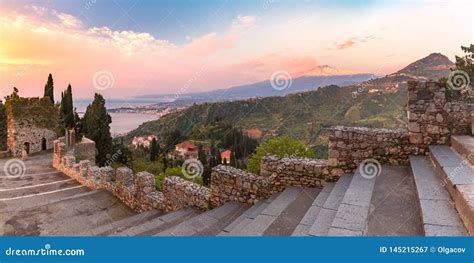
column 281, row 147
column 466, row 64
column 175, row 171
column 96, row 124
column 3, row 127
column 66, row 110
column 39, row 112
column 154, row 150
column 49, row 88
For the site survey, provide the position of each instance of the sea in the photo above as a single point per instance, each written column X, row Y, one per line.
column 122, row 123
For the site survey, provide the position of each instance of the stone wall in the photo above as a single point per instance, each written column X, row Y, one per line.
column 30, row 121
column 182, row 193
column 231, row 184
column 431, row 118
column 135, row 190
column 349, row 146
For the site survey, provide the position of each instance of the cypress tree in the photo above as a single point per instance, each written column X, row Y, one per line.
column 153, row 150
column 97, row 128
column 49, row 88
column 67, row 109
column 3, row 127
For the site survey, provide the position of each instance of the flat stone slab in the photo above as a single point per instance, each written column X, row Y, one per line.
column 445, row 156
column 337, row 194
column 282, row 201
column 344, row 232
column 257, row 226
column 251, row 213
column 435, row 230
column 360, row 191
column 323, row 222
column 428, row 184
column 460, row 175
column 351, row 217
column 440, row 212
column 464, row 145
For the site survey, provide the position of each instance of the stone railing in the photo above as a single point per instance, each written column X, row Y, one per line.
column 431, row 118
column 180, row 193
column 231, row 184
column 137, row 191
column 349, row 146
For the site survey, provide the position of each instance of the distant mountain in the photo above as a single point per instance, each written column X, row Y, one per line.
column 434, row 66
column 378, row 102
column 303, row 81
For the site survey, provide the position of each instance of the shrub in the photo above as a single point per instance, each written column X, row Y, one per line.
column 174, row 171
column 281, row 147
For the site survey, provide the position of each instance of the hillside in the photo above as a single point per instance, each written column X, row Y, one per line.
column 374, row 103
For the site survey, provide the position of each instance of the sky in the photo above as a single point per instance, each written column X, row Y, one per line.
column 125, row 49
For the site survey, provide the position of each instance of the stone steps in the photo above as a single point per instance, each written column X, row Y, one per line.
column 352, row 214
column 457, row 176
column 464, row 145
column 439, row 215
column 310, row 217
column 66, row 216
column 269, row 215
column 122, row 225
column 325, row 217
column 29, row 180
column 13, row 192
column 394, row 208
column 209, row 223
column 246, row 218
column 161, row 223
column 24, row 202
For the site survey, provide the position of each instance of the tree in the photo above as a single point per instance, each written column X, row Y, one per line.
column 172, row 138
column 49, row 88
column 281, row 147
column 206, row 173
column 96, row 124
column 154, row 148
column 466, row 63
column 233, row 161
column 3, row 127
column 67, row 113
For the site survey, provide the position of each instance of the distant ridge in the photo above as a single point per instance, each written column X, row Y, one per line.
column 434, row 66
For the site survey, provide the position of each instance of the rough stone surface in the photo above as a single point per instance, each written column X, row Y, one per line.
column 135, row 190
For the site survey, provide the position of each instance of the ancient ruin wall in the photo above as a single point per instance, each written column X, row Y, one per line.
column 29, row 121
column 349, row 146
column 431, row 118
column 135, row 190
column 231, row 184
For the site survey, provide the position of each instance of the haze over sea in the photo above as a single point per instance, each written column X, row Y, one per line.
column 121, row 122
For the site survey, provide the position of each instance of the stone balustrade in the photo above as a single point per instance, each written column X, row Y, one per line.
column 431, row 118
column 349, row 146
column 137, row 191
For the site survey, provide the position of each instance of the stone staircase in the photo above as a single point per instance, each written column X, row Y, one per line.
column 46, row 202
column 433, row 197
